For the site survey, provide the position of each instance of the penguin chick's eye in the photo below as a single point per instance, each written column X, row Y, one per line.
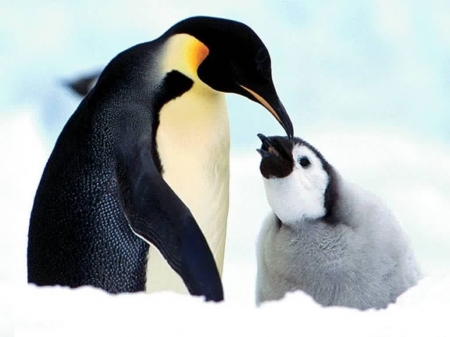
column 304, row 162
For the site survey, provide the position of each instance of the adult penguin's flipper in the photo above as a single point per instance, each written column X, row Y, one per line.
column 158, row 216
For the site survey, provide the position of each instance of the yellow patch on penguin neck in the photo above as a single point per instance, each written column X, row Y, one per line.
column 184, row 53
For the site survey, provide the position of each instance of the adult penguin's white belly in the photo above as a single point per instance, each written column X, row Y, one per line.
column 193, row 143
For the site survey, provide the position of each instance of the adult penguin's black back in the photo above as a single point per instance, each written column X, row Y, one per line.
column 103, row 196
column 78, row 233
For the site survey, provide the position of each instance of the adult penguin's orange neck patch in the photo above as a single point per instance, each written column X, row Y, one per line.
column 197, row 53
column 184, row 53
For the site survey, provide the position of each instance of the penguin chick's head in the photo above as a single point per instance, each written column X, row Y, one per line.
column 236, row 61
column 298, row 180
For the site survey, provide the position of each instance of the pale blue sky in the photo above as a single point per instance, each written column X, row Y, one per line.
column 370, row 64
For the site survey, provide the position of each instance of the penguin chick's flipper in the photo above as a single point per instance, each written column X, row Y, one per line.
column 158, row 216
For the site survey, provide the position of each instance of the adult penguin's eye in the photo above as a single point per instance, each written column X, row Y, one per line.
column 304, row 162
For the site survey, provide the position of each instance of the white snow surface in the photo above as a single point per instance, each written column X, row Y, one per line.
column 423, row 311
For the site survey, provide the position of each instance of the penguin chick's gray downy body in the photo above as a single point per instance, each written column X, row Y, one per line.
column 326, row 236
column 144, row 163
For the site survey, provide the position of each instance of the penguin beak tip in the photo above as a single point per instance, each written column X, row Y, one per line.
column 261, row 136
column 290, row 132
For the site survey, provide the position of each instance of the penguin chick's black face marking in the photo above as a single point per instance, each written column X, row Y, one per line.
column 299, row 182
column 237, row 62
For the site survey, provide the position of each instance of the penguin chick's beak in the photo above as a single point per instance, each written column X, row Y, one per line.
column 267, row 149
column 276, row 108
column 276, row 156
column 276, row 147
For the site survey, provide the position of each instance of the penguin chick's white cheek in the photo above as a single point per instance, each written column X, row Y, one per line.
column 301, row 194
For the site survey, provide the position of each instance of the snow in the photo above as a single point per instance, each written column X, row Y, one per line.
column 423, row 311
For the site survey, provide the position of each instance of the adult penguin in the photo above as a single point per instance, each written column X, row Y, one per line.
column 143, row 163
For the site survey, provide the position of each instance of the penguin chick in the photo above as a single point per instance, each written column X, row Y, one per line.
column 325, row 236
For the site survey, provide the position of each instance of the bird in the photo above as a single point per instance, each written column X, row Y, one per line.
column 134, row 196
column 325, row 236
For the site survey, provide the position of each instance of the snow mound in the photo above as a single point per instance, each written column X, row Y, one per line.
column 86, row 311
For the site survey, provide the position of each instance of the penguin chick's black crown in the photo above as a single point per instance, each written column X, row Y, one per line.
column 277, row 161
column 237, row 62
